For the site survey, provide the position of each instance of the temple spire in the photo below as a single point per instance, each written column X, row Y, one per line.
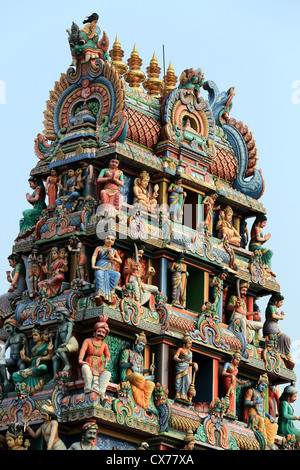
column 153, row 84
column 116, row 55
column 170, row 79
column 134, row 76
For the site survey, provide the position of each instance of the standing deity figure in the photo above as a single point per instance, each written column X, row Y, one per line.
column 106, row 278
column 237, row 308
column 75, row 247
column 177, row 197
column 254, row 409
column 88, row 435
column 217, row 285
column 210, row 206
column 14, row 343
column 229, row 378
column 73, row 189
column 17, row 285
column 89, row 179
column 37, row 200
column 14, row 437
column 133, row 273
column 183, row 361
column 35, row 261
column 258, row 239
column 110, row 195
column 270, row 327
column 49, row 428
column 286, row 413
column 58, row 267
column 225, row 228
column 142, row 195
column 41, row 354
column 51, row 187
column 179, row 281
column 95, row 375
column 65, row 342
column 132, row 370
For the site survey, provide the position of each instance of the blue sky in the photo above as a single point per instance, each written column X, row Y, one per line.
column 252, row 46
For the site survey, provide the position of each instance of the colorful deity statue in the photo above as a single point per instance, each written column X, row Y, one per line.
column 17, row 285
column 217, row 285
column 33, row 377
column 257, row 241
column 106, row 277
column 95, row 375
column 89, row 179
column 142, row 195
column 225, row 228
column 210, row 206
column 132, row 370
column 51, row 187
column 14, row 437
column 35, row 260
column 48, row 429
column 179, row 281
column 65, row 342
column 270, row 327
column 88, row 436
column 237, row 307
column 133, row 273
column 255, row 411
column 78, row 259
column 287, row 417
column 112, row 179
column 85, row 44
column 59, row 266
column 183, row 362
column 177, row 197
column 37, row 200
column 229, row 378
column 15, row 342
column 73, row 189
column 76, row 248
column 191, row 79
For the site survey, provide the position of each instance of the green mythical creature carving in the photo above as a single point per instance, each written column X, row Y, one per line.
column 85, row 44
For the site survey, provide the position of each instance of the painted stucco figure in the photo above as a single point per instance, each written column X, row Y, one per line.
column 37, row 200
column 106, row 277
column 110, row 181
column 132, row 370
column 133, row 273
column 17, row 281
column 95, row 375
column 257, row 241
column 287, row 417
column 254, row 409
column 183, row 362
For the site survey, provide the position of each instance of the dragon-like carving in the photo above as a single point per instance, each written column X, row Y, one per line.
column 85, row 44
column 221, row 104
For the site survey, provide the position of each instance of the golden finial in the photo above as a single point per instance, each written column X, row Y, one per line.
column 170, row 79
column 116, row 55
column 153, row 84
column 134, row 76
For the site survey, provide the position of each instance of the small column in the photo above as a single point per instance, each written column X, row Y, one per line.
column 162, row 275
column 162, row 371
column 200, row 210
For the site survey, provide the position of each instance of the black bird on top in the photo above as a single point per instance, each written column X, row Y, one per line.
column 93, row 17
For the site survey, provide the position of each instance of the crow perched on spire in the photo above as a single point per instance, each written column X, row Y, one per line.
column 93, row 17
